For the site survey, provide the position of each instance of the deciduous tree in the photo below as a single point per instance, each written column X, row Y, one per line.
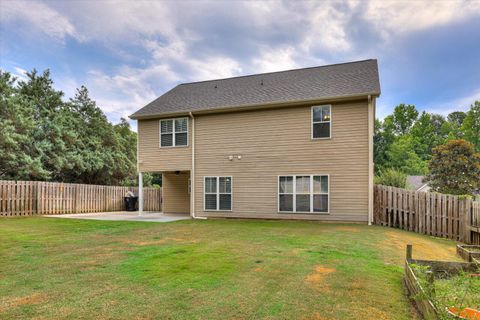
column 401, row 156
column 455, row 168
column 471, row 125
column 403, row 118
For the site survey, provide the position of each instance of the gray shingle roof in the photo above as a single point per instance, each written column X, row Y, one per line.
column 415, row 182
column 316, row 83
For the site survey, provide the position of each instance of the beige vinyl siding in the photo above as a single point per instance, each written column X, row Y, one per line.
column 155, row 159
column 278, row 142
column 176, row 198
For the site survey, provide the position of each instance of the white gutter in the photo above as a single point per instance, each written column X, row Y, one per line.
column 192, row 172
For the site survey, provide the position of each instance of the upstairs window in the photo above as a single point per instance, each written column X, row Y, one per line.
column 218, row 193
column 174, row 132
column 321, row 122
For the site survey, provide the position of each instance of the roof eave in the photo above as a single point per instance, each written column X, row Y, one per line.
column 274, row 104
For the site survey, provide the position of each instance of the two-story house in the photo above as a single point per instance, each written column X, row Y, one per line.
column 295, row 144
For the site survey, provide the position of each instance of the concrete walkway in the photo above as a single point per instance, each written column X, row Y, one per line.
column 124, row 216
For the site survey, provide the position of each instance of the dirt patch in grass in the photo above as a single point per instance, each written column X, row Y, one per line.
column 318, row 316
column 358, row 286
column 143, row 242
column 318, row 275
column 157, row 241
column 147, row 243
column 96, row 259
column 365, row 313
column 370, row 312
column 347, row 229
column 423, row 248
column 21, row 301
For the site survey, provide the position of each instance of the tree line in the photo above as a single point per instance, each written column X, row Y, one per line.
column 46, row 137
column 446, row 150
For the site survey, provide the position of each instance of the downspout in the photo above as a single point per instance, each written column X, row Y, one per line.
column 140, row 178
column 371, row 132
column 192, row 172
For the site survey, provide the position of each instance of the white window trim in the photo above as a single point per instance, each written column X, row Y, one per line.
column 218, row 193
column 294, row 204
column 173, row 133
column 312, row 123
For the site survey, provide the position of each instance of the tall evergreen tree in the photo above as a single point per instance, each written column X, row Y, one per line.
column 49, row 145
column 17, row 126
column 44, row 138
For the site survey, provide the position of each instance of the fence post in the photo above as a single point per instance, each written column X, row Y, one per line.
column 37, row 197
column 467, row 216
column 409, row 252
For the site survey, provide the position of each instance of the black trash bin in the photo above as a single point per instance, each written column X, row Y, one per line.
column 130, row 203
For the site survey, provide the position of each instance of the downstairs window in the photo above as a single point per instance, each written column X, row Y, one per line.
column 303, row 194
column 217, row 193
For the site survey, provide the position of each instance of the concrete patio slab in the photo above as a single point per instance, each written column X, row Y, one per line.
column 124, row 216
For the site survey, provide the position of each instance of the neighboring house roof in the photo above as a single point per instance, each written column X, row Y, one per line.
column 416, row 183
column 336, row 81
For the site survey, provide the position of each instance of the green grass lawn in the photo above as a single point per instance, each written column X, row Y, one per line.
column 213, row 269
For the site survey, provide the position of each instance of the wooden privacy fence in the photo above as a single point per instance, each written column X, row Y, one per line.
column 435, row 214
column 22, row 198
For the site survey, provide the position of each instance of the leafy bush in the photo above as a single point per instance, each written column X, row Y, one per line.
column 455, row 168
column 392, row 177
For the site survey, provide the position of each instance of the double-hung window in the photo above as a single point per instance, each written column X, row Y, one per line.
column 303, row 194
column 218, row 193
column 321, row 122
column 174, row 132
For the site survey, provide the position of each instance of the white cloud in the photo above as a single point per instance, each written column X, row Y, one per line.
column 400, row 17
column 20, row 74
column 197, row 69
column 328, row 27
column 275, row 59
column 164, row 42
column 213, row 68
column 67, row 84
column 128, row 89
column 42, row 17
column 384, row 105
column 123, row 92
column 462, row 103
column 120, row 21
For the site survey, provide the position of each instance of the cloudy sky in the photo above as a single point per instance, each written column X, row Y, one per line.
column 129, row 52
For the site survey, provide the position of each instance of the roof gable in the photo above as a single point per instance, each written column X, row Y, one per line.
column 316, row 83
